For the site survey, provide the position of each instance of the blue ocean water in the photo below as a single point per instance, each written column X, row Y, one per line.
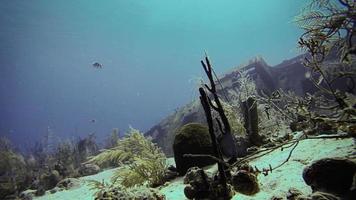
column 150, row 52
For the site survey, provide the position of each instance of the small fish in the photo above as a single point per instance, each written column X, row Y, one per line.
column 97, row 65
column 93, row 120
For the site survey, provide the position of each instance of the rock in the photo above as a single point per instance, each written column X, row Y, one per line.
column 89, row 169
column 331, row 175
column 245, row 182
column 217, row 191
column 189, row 192
column 169, row 175
column 69, row 183
column 192, row 138
column 63, row 170
column 197, row 177
column 40, row 191
column 27, row 195
column 199, row 183
column 49, row 180
column 202, row 186
column 172, row 168
column 293, row 194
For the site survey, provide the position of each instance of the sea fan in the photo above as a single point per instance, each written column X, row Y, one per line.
column 146, row 163
column 143, row 171
column 132, row 145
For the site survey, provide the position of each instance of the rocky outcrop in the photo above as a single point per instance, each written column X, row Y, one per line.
column 331, row 175
column 88, row 169
column 69, row 183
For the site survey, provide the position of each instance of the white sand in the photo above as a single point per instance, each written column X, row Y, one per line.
column 289, row 175
column 81, row 193
column 276, row 183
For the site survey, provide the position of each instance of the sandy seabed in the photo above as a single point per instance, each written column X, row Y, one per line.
column 276, row 183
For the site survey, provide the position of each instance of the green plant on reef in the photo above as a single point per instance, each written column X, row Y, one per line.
column 329, row 25
column 145, row 162
column 148, row 170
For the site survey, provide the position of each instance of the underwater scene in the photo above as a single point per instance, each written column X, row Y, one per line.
column 177, row 99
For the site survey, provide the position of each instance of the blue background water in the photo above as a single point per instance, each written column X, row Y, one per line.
column 150, row 50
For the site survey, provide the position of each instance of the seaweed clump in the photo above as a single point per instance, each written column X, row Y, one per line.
column 141, row 161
